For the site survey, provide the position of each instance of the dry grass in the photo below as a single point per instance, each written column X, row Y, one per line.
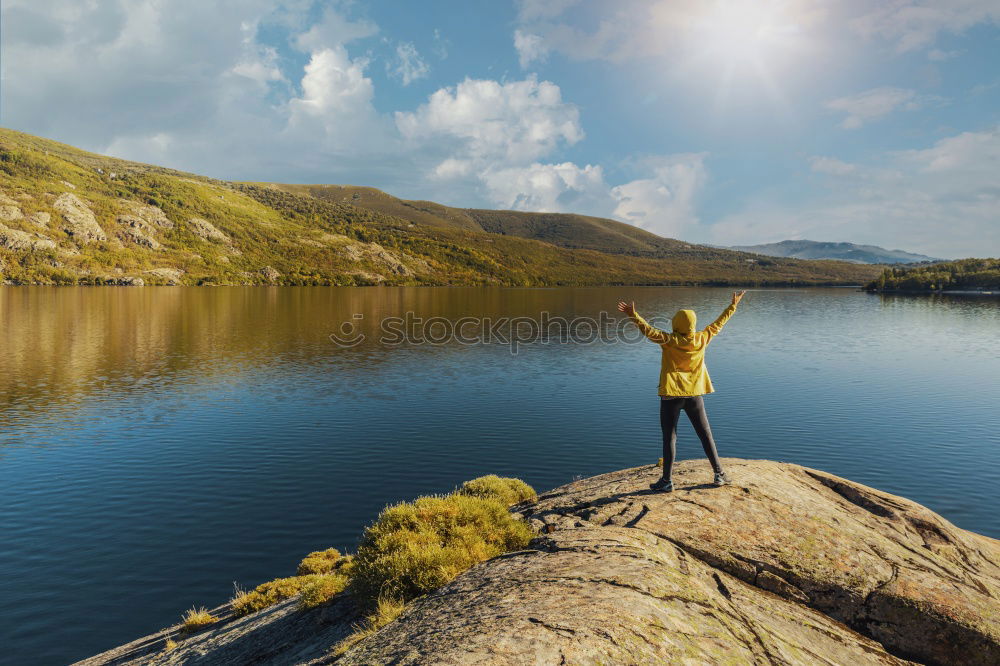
column 505, row 490
column 169, row 645
column 386, row 610
column 320, row 561
column 270, row 593
column 323, row 589
column 415, row 547
column 197, row 618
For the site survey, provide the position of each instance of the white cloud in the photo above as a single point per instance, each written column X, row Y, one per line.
column 665, row 202
column 546, row 187
column 675, row 29
column 334, row 88
column 915, row 24
column 876, row 103
column 486, row 121
column 629, row 29
column 530, row 48
column 831, row 166
column 334, row 29
column 409, row 66
column 942, row 201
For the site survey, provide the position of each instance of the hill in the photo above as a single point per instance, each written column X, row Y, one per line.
column 72, row 217
column 789, row 565
column 859, row 254
column 960, row 275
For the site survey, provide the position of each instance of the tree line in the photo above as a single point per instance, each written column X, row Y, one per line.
column 958, row 275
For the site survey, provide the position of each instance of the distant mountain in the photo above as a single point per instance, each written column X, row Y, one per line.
column 857, row 254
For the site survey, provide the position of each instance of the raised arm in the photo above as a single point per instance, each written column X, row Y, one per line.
column 651, row 332
column 716, row 326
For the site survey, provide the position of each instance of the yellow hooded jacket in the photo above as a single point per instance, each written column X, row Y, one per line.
column 682, row 369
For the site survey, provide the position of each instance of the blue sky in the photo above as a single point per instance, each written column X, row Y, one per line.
column 726, row 122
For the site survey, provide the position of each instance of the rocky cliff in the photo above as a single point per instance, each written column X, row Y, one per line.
column 786, row 566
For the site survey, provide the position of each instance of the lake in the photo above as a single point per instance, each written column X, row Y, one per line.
column 159, row 444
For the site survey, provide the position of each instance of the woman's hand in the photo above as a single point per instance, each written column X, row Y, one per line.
column 627, row 308
column 738, row 296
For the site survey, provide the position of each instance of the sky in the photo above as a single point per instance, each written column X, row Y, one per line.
column 728, row 122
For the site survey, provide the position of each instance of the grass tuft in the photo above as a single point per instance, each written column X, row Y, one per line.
column 323, row 589
column 169, row 645
column 270, row 593
column 506, row 490
column 386, row 610
column 320, row 561
column 197, row 618
column 415, row 547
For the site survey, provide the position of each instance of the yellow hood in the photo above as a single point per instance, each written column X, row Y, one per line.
column 684, row 322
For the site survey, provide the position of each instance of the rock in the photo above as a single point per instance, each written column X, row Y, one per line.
column 151, row 215
column 40, row 219
column 208, row 231
column 6, row 200
column 9, row 213
column 786, row 566
column 12, row 239
column 68, row 184
column 270, row 274
column 79, row 220
column 124, row 281
column 137, row 231
column 172, row 276
column 378, row 255
column 367, row 278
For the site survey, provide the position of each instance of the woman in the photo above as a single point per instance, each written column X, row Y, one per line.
column 683, row 380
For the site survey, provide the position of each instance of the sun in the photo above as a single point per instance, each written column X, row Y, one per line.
column 735, row 33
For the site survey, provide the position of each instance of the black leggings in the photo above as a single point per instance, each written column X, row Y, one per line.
column 670, row 411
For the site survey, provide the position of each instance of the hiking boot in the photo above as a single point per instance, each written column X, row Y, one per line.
column 664, row 485
column 721, row 479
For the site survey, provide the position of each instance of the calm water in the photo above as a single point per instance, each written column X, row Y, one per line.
column 158, row 444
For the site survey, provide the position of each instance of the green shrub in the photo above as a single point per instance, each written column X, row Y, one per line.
column 504, row 489
column 270, row 593
column 415, row 547
column 322, row 589
column 320, row 561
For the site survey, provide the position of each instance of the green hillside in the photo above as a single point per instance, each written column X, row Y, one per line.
column 72, row 217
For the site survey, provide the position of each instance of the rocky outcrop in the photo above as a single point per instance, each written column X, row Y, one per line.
column 10, row 213
column 270, row 274
column 172, row 276
column 12, row 239
column 151, row 215
column 373, row 253
column 137, row 231
column 78, row 220
column 115, row 281
column 208, row 231
column 40, row 219
column 786, row 566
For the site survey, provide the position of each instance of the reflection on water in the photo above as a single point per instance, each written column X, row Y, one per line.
column 157, row 444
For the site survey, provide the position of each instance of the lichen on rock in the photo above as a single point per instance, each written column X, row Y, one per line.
column 78, row 220
column 13, row 239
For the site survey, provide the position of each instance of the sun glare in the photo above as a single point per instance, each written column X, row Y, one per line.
column 739, row 32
